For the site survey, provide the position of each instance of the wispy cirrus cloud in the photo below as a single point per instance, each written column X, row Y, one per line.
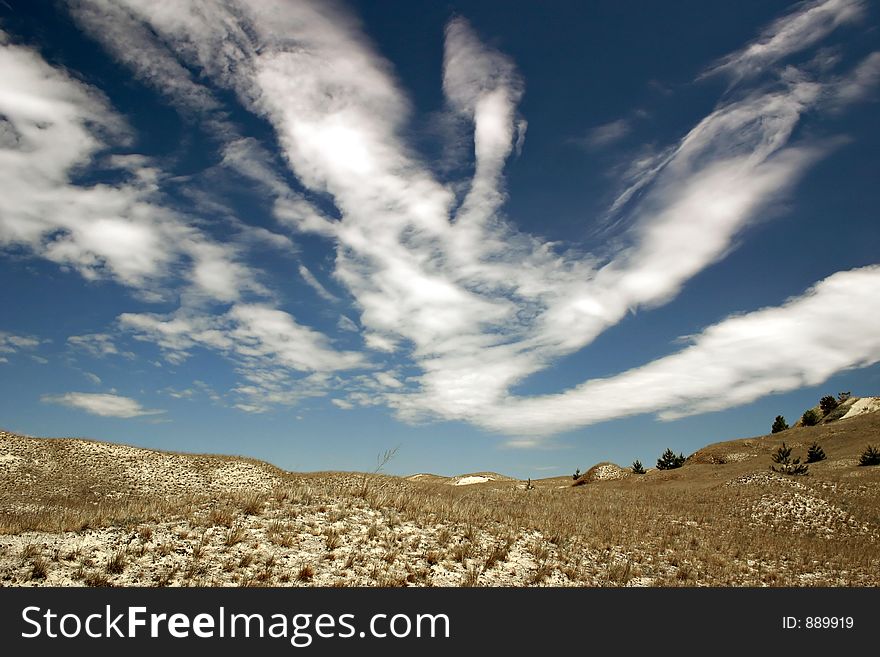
column 439, row 277
column 806, row 25
column 54, row 125
column 606, row 134
column 102, row 404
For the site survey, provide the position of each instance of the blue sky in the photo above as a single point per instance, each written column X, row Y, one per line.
column 520, row 237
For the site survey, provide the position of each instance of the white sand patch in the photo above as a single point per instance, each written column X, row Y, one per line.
column 9, row 458
column 862, row 406
column 474, row 479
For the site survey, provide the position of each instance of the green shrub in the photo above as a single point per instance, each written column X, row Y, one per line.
column 810, row 418
column 779, row 424
column 786, row 464
column 669, row 461
column 815, row 453
column 637, row 467
column 577, row 473
column 871, row 456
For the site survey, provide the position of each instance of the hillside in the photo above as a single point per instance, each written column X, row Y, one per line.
column 76, row 512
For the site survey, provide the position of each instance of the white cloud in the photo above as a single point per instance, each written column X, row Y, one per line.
column 829, row 329
column 10, row 343
column 454, row 285
column 98, row 345
column 346, row 324
column 805, row 26
column 94, row 378
column 104, row 405
column 316, row 285
column 53, row 126
column 608, row 133
column 860, row 83
column 267, row 333
column 439, row 279
column 279, row 360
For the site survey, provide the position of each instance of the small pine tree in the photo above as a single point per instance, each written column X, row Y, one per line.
column 815, row 453
column 828, row 404
column 637, row 467
column 843, row 396
column 810, row 418
column 871, row 456
column 786, row 464
column 779, row 424
column 670, row 461
column 577, row 473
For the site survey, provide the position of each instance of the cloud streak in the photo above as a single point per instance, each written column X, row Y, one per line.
column 808, row 24
column 830, row 328
column 103, row 405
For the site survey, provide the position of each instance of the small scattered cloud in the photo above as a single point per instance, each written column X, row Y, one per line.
column 99, row 345
column 11, row 343
column 104, row 405
column 607, row 134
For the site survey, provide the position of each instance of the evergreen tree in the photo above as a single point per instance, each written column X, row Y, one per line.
column 810, row 418
column 786, row 464
column 637, row 467
column 779, row 424
column 670, row 461
column 871, row 456
column 815, row 453
column 828, row 404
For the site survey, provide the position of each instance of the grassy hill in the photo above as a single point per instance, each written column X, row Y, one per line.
column 77, row 512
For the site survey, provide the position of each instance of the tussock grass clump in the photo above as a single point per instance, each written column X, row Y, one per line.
column 116, row 563
column 95, row 579
column 252, row 505
column 234, row 536
column 39, row 568
column 305, row 574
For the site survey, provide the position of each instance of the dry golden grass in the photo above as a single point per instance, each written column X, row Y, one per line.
column 723, row 519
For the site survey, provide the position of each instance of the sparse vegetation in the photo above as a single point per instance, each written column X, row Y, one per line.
column 815, row 453
column 715, row 526
column 785, row 464
column 669, row 461
column 871, row 456
column 810, row 418
column 577, row 474
column 637, row 467
column 779, row 424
